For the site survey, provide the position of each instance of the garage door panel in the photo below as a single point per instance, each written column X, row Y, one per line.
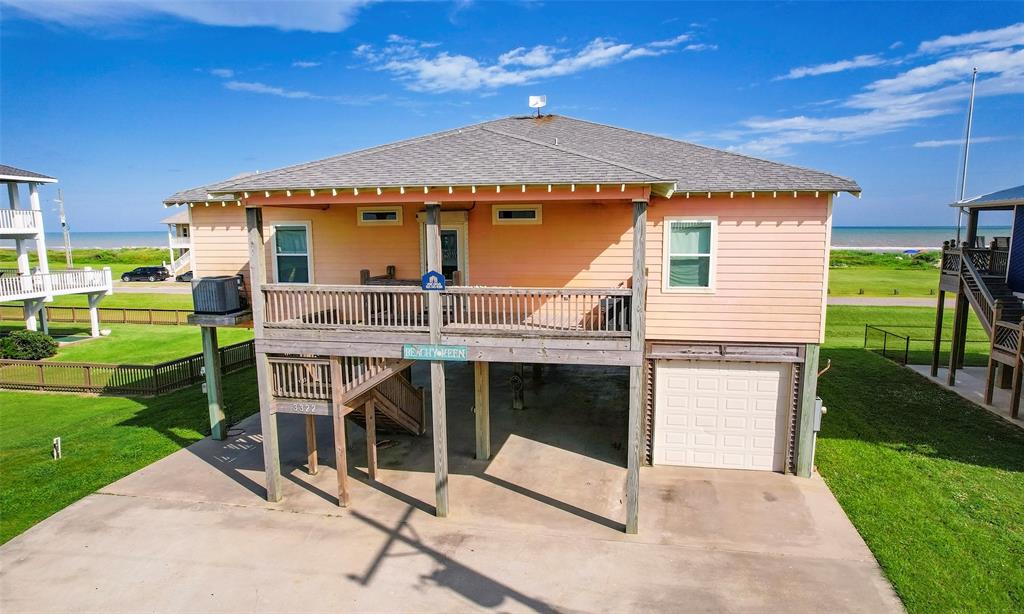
column 729, row 415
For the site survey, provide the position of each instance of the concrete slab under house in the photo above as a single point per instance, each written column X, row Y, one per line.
column 526, row 246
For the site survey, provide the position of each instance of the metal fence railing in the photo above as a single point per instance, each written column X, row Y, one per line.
column 119, row 380
column 905, row 347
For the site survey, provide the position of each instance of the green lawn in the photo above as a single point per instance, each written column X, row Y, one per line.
column 135, row 343
column 876, row 281
column 103, row 438
column 130, row 300
column 933, row 483
column 845, row 328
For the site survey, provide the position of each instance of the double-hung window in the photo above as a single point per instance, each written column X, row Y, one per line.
column 689, row 255
column 291, row 253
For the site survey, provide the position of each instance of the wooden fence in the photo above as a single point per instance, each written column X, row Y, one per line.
column 119, row 380
column 108, row 315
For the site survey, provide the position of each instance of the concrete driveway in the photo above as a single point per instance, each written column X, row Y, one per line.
column 538, row 528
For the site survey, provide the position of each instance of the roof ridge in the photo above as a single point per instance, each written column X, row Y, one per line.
column 576, row 153
column 708, row 148
column 226, row 184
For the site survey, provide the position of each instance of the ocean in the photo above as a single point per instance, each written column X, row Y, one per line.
column 856, row 237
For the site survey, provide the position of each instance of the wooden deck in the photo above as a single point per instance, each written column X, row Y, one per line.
column 577, row 325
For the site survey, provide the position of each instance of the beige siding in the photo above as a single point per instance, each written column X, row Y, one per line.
column 219, row 241
column 769, row 275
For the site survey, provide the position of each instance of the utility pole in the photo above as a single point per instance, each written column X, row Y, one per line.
column 64, row 227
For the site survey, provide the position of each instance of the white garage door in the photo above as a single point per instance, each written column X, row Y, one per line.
column 721, row 414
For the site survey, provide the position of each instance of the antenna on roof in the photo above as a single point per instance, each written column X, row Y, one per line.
column 538, row 102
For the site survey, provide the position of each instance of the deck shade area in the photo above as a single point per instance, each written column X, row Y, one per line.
column 1015, row 268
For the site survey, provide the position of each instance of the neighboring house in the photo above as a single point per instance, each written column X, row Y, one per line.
column 987, row 274
column 702, row 272
column 179, row 243
column 35, row 286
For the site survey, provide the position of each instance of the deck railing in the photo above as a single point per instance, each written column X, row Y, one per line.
column 1006, row 337
column 19, row 220
column 560, row 311
column 394, row 308
column 56, row 282
column 978, row 291
column 465, row 309
column 296, row 377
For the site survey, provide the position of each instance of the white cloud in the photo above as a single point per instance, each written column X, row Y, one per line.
column 410, row 62
column 541, row 55
column 262, row 88
column 224, row 73
column 1010, row 36
column 938, row 86
column 319, row 16
column 958, row 142
column 701, row 47
column 861, row 61
column 305, row 64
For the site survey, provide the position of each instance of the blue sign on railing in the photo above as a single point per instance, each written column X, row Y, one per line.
column 432, row 281
column 458, row 353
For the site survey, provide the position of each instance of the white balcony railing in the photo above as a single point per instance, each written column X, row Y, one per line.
column 38, row 285
column 21, row 221
column 180, row 242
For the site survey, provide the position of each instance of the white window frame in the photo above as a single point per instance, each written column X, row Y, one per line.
column 497, row 221
column 395, row 222
column 666, row 256
column 309, row 250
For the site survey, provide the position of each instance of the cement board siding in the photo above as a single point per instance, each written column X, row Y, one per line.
column 769, row 275
column 769, row 278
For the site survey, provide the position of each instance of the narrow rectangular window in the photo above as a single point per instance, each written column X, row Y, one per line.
column 517, row 214
column 688, row 254
column 379, row 216
column 291, row 254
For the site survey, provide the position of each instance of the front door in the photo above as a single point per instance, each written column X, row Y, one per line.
column 451, row 252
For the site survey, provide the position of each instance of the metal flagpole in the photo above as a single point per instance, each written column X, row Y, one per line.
column 967, row 149
column 69, row 261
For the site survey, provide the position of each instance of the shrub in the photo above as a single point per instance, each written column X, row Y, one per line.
column 27, row 345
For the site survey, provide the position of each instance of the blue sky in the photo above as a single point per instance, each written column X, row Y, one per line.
column 128, row 102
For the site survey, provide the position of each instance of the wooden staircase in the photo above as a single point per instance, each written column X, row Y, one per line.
column 982, row 275
column 303, row 385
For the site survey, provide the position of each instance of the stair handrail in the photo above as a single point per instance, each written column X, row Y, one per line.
column 968, row 267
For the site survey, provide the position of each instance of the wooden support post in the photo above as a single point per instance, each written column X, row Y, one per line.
column 370, row 410
column 94, row 313
column 637, row 387
column 482, row 409
column 1004, row 378
column 937, row 343
column 437, row 391
column 518, row 385
column 312, row 462
column 1015, row 393
column 214, row 389
column 268, row 420
column 806, row 406
column 954, row 346
column 990, row 379
column 538, row 372
column 339, row 411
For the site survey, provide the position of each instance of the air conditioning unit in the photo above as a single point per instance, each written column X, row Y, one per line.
column 219, row 295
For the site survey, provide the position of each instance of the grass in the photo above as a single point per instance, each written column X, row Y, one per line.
column 130, row 300
column 135, row 343
column 933, row 483
column 845, row 328
column 856, row 273
column 103, row 439
column 133, row 256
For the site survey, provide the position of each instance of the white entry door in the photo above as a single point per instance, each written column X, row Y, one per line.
column 729, row 415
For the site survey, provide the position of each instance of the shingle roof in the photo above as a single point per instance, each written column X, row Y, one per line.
column 178, row 217
column 11, row 172
column 199, row 194
column 1007, row 197
column 549, row 149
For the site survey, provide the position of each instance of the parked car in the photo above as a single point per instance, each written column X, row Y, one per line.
column 186, row 276
column 146, row 273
